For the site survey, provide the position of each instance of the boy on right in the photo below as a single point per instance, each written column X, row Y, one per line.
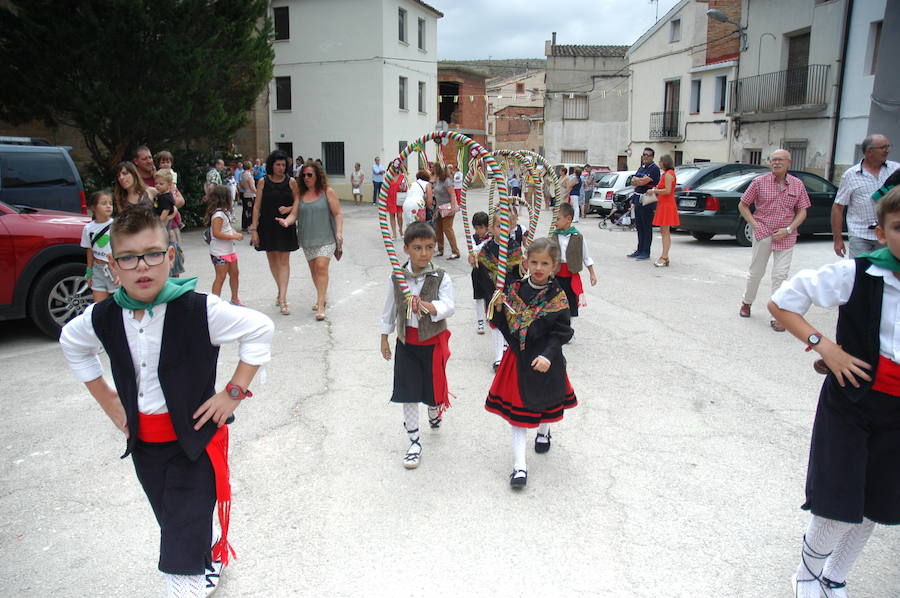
column 853, row 480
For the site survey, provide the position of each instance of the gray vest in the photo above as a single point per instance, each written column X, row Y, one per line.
column 574, row 253
column 429, row 292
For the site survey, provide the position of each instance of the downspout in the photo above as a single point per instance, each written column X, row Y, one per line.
column 835, row 128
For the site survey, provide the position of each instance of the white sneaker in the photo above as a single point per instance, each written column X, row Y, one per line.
column 213, row 577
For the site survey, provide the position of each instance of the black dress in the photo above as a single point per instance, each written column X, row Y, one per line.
column 273, row 236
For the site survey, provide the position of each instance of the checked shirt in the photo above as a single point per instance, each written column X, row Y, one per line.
column 776, row 206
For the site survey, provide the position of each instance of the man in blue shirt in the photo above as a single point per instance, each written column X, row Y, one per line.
column 646, row 177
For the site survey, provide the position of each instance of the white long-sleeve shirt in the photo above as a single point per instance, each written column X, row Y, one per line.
column 564, row 244
column 227, row 323
column 444, row 304
column 832, row 285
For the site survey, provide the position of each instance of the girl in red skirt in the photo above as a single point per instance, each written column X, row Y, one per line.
column 395, row 210
column 531, row 388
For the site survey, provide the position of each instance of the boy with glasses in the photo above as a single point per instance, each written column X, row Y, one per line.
column 163, row 342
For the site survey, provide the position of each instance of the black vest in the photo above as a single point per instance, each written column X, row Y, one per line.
column 187, row 367
column 859, row 321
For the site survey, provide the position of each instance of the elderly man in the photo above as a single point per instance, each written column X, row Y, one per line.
column 646, row 177
column 781, row 203
column 858, row 184
column 143, row 161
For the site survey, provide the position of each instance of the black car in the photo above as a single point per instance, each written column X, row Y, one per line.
column 36, row 175
column 712, row 209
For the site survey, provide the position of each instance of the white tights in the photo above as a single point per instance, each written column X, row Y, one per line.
column 411, row 420
column 479, row 310
column 185, row 586
column 520, row 441
column 829, row 550
column 499, row 344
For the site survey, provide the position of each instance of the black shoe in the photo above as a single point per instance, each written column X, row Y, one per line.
column 542, row 447
column 634, row 254
column 496, row 365
column 518, row 478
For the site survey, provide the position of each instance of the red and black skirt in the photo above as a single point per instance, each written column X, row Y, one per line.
column 505, row 400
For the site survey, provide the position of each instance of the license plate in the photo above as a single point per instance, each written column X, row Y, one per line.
column 688, row 203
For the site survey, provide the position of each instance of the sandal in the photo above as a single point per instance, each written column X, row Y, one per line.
column 453, row 256
column 435, row 421
column 285, row 309
column 320, row 316
column 411, row 459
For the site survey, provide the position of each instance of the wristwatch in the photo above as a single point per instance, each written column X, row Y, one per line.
column 812, row 340
column 788, row 229
column 236, row 392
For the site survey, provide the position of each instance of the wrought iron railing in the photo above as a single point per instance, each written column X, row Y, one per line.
column 783, row 90
column 664, row 125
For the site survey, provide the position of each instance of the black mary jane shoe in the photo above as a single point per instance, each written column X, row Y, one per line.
column 518, row 478
column 542, row 447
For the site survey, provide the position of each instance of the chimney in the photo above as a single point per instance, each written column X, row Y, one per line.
column 554, row 38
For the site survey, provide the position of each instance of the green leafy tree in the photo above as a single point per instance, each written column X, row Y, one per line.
column 129, row 72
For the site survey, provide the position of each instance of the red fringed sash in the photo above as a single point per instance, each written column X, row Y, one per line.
column 159, row 428
column 887, row 377
column 438, row 364
column 577, row 287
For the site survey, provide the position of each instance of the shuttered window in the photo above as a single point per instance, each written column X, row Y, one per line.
column 575, row 108
column 333, row 157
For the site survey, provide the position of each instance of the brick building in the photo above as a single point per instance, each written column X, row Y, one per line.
column 461, row 101
column 519, row 127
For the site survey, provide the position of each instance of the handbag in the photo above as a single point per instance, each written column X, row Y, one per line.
column 646, row 201
column 338, row 245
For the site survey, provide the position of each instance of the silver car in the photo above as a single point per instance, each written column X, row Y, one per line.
column 606, row 185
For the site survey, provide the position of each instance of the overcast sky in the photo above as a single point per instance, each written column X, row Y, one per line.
column 479, row 29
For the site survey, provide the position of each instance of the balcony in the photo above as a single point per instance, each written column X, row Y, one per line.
column 665, row 125
column 801, row 89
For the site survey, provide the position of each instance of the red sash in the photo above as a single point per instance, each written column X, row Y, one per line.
column 438, row 363
column 577, row 287
column 887, row 377
column 159, row 428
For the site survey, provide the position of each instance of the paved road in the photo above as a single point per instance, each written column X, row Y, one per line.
column 680, row 474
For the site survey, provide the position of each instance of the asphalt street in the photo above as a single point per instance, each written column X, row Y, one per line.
column 680, row 473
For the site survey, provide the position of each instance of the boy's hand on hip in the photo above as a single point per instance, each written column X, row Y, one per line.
column 217, row 408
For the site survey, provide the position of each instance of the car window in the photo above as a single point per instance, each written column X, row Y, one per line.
column 607, row 180
column 813, row 183
column 35, row 169
column 729, row 182
column 685, row 175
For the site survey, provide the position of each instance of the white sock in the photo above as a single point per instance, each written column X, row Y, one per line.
column 848, row 548
column 411, row 420
column 519, row 439
column 820, row 540
column 499, row 344
column 185, row 586
column 544, row 429
column 479, row 310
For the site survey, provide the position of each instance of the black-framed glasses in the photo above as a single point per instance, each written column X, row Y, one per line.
column 308, row 175
column 130, row 262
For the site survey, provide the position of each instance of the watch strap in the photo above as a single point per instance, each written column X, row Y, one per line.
column 242, row 393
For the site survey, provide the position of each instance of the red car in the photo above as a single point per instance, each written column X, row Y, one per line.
column 42, row 266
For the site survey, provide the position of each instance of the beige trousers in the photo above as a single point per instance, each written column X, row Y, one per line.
column 781, row 266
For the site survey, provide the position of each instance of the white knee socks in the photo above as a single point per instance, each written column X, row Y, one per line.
column 411, row 420
column 519, row 438
column 499, row 344
column 479, row 310
column 544, row 429
column 185, row 586
column 848, row 548
column 819, row 542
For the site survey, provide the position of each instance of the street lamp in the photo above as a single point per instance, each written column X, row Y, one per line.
column 720, row 16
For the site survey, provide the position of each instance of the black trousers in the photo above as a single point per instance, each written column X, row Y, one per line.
column 643, row 222
column 247, row 212
column 183, row 495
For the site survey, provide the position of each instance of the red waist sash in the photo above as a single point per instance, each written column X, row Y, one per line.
column 577, row 287
column 158, row 428
column 887, row 377
column 438, row 363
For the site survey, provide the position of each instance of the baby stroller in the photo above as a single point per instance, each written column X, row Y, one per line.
column 621, row 214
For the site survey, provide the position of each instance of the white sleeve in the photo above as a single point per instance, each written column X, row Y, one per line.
column 829, row 286
column 844, row 193
column 81, row 347
column 586, row 257
column 251, row 329
column 389, row 313
column 444, row 304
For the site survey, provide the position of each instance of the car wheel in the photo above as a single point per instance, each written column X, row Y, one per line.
column 744, row 234
column 702, row 236
column 59, row 294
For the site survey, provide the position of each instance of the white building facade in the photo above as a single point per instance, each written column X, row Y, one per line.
column 353, row 79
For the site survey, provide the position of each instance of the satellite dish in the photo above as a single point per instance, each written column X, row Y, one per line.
column 441, row 126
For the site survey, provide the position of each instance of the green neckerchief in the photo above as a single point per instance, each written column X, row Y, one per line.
column 882, row 192
column 569, row 231
column 883, row 258
column 173, row 289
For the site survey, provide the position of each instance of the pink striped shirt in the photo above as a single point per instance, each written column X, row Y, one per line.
column 776, row 206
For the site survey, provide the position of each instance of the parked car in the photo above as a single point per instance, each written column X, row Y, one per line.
column 712, row 209
column 40, row 176
column 606, row 184
column 692, row 175
column 42, row 266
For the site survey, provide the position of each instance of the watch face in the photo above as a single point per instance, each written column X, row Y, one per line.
column 814, row 339
column 234, row 392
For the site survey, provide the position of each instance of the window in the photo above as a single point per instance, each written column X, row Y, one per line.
column 872, row 50
column 282, row 93
column 422, row 97
column 520, row 88
column 674, row 30
column 282, row 22
column 333, row 157
column 401, row 32
column 36, row 169
column 574, row 156
column 490, row 128
column 286, row 147
column 753, row 156
column 798, row 153
column 575, row 108
column 421, row 34
column 678, row 157
column 402, row 93
column 719, row 99
column 695, row 96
